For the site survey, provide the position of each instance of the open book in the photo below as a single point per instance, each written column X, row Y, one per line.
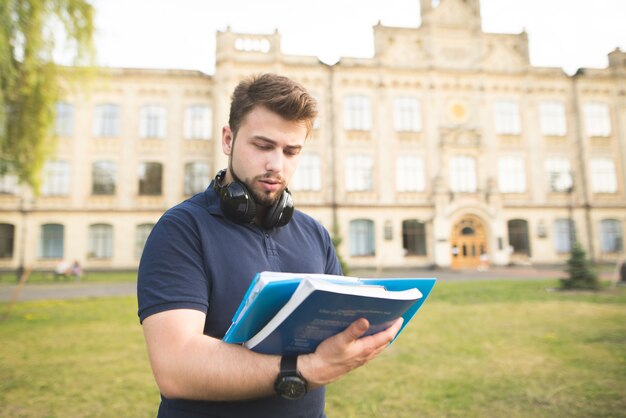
column 285, row 313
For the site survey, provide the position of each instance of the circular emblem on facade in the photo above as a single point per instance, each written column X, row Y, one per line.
column 458, row 111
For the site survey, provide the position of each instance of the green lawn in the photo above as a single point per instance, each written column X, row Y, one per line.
column 476, row 349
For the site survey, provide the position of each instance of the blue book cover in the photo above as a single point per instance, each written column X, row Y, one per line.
column 267, row 293
column 320, row 309
column 267, row 302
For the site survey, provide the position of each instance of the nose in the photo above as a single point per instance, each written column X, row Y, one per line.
column 275, row 161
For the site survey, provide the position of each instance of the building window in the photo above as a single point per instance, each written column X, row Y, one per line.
column 552, row 118
column 150, row 179
column 7, row 239
column 507, row 117
column 106, row 121
column 141, row 235
column 414, row 237
column 564, row 231
column 64, row 122
column 611, row 236
column 511, row 175
column 359, row 173
column 597, row 119
column 558, row 174
column 103, row 178
column 8, row 182
column 100, row 241
column 410, row 174
column 51, row 242
column 56, row 178
column 357, row 113
column 197, row 177
column 198, row 122
column 518, row 236
column 463, row 174
column 362, row 238
column 308, row 176
column 152, row 121
column 407, row 114
column 603, row 178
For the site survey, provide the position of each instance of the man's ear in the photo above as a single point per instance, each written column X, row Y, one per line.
column 227, row 140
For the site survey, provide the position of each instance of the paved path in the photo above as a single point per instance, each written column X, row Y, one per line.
column 100, row 289
column 67, row 290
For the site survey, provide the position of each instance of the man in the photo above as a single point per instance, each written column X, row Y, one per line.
column 203, row 253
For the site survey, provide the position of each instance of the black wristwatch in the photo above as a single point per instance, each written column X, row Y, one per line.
column 290, row 384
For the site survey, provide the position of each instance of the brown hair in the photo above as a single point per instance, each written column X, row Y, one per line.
column 276, row 93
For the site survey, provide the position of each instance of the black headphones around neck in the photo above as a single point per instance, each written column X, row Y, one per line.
column 237, row 204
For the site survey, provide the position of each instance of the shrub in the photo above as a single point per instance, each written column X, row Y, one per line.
column 581, row 275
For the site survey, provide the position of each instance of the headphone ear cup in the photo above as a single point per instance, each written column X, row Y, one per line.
column 237, row 203
column 280, row 213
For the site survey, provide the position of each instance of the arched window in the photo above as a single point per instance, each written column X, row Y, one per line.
column 414, row 237
column 308, row 176
column 611, row 236
column 7, row 239
column 463, row 174
column 153, row 121
column 100, row 241
column 141, row 235
column 563, row 235
column 362, row 238
column 197, row 177
column 518, row 236
column 103, row 177
column 150, row 179
column 467, row 231
column 106, row 123
column 198, row 122
column 51, row 241
column 56, row 178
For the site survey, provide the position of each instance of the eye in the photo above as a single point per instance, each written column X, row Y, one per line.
column 292, row 152
column 264, row 147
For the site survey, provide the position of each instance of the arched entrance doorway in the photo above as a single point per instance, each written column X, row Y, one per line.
column 468, row 241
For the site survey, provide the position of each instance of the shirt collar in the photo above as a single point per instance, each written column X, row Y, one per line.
column 213, row 203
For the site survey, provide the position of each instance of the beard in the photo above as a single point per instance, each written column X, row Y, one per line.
column 261, row 197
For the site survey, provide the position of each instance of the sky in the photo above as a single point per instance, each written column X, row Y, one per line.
column 180, row 34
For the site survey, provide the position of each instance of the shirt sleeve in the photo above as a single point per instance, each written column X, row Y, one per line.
column 171, row 272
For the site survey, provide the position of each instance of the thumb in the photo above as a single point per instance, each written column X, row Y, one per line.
column 356, row 329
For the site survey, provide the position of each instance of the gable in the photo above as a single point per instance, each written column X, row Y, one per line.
column 454, row 14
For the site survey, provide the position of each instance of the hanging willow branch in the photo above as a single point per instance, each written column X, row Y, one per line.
column 29, row 77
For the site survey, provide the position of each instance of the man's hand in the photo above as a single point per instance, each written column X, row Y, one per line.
column 344, row 352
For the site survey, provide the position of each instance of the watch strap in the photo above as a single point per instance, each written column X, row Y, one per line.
column 289, row 366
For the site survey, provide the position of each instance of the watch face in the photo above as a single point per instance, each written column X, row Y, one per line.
column 291, row 387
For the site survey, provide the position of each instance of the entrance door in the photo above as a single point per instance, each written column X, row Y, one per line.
column 469, row 241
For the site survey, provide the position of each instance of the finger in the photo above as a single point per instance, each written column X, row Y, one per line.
column 395, row 328
column 390, row 332
column 383, row 338
column 356, row 330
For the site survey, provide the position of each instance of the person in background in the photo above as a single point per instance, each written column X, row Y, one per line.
column 62, row 269
column 76, row 270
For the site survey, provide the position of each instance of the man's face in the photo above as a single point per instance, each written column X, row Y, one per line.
column 265, row 154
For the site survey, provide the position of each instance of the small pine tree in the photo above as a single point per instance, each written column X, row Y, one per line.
column 581, row 276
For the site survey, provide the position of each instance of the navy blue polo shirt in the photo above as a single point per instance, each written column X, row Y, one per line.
column 196, row 258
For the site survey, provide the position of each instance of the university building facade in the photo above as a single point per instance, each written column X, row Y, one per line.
column 445, row 145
